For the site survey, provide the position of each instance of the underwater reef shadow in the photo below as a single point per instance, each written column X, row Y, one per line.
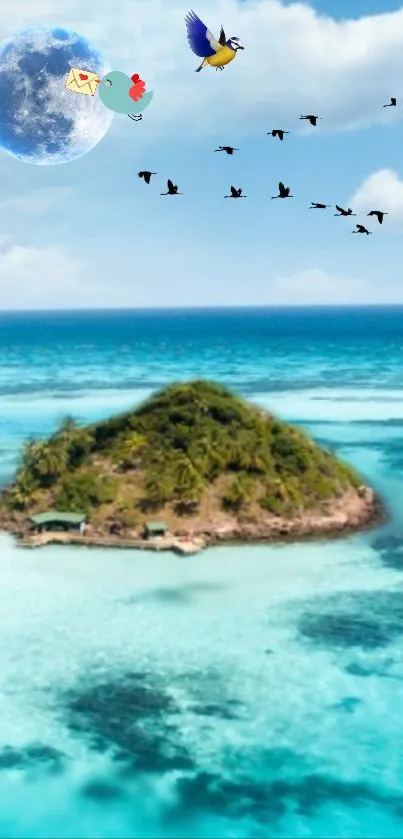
column 367, row 620
column 389, row 547
column 138, row 723
column 32, row 756
column 268, row 799
column 136, row 718
column 101, row 791
column 131, row 719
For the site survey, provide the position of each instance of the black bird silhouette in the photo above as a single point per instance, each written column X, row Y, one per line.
column 390, row 104
column 235, row 193
column 342, row 212
column 311, row 118
column 316, row 206
column 228, row 149
column 172, row 189
column 278, row 132
column 361, row 229
column 379, row 214
column 146, row 176
column 283, row 191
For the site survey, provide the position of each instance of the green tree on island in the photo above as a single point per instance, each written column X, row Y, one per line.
column 190, row 448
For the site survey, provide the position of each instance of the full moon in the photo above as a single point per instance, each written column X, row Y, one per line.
column 42, row 122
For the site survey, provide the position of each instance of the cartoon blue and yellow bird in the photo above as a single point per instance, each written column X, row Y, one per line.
column 202, row 42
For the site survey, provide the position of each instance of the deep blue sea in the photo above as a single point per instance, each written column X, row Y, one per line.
column 245, row 692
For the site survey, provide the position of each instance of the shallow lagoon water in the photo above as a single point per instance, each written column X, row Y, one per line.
column 235, row 685
column 244, row 692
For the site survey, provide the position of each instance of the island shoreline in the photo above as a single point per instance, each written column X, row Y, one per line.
column 212, row 467
column 373, row 514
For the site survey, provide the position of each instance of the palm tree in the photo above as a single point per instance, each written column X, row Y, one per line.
column 53, row 460
column 66, row 426
column 237, row 455
column 276, row 488
column 29, row 452
column 260, row 459
column 130, row 449
column 76, row 439
column 19, row 498
column 79, row 445
column 22, row 491
column 238, row 493
column 158, row 488
column 48, row 462
column 200, row 453
column 201, row 405
column 188, row 482
column 235, row 496
column 43, row 460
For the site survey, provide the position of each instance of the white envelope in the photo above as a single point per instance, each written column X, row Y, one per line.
column 82, row 81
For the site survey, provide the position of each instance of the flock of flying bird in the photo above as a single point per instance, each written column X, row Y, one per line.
column 217, row 53
column 283, row 191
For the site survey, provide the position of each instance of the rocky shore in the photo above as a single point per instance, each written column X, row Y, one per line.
column 353, row 511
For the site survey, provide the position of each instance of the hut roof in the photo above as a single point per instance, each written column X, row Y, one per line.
column 155, row 526
column 57, row 516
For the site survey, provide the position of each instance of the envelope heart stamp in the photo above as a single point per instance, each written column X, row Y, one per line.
column 80, row 81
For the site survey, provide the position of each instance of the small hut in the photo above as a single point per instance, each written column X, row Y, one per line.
column 53, row 520
column 155, row 530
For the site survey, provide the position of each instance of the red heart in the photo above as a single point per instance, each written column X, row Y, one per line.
column 135, row 78
column 83, row 77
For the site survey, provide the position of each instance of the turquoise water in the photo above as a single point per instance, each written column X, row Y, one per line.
column 245, row 692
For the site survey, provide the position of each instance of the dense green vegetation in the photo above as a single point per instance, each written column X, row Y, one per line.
column 187, row 443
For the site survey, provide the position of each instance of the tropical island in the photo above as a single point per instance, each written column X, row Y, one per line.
column 209, row 464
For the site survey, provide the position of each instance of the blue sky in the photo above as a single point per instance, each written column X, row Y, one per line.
column 339, row 9
column 91, row 234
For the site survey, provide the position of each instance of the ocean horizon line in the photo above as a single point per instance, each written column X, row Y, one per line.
column 104, row 310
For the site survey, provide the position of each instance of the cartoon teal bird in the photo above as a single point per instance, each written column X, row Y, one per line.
column 202, row 43
column 124, row 95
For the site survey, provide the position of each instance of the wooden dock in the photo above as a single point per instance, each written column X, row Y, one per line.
column 168, row 543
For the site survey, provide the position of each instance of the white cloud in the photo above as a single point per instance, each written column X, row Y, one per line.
column 41, row 278
column 295, row 60
column 383, row 190
column 316, row 287
column 51, row 278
